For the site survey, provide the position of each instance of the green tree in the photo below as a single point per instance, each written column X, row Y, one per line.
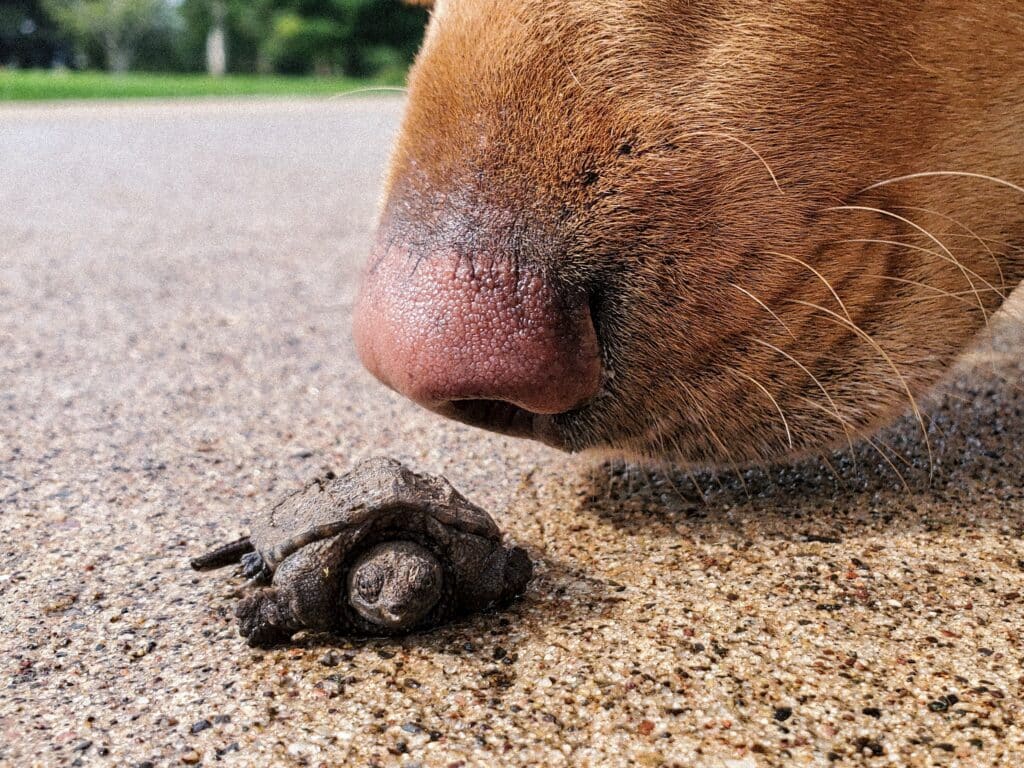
column 28, row 36
column 248, row 27
column 354, row 37
column 252, row 21
column 118, row 27
column 311, row 35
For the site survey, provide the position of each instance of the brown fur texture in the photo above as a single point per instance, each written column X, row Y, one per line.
column 705, row 172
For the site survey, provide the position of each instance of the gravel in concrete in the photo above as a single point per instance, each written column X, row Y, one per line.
column 175, row 293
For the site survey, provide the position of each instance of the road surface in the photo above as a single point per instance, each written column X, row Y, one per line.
column 175, row 291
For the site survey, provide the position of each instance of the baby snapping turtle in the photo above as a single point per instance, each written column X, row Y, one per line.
column 377, row 551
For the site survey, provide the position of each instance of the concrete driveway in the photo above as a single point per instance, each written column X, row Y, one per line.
column 175, row 291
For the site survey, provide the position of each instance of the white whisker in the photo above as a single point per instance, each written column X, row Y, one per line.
column 927, row 234
column 968, row 230
column 765, row 307
column 770, row 396
column 744, row 144
column 820, row 276
column 806, row 370
column 885, row 355
column 369, row 89
column 963, row 174
column 913, row 247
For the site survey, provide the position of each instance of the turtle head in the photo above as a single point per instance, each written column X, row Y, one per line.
column 395, row 585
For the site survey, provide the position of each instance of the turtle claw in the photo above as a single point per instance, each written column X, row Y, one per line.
column 260, row 621
column 254, row 568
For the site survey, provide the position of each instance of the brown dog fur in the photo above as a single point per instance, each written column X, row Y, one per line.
column 701, row 168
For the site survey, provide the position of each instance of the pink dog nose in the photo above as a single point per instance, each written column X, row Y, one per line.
column 471, row 337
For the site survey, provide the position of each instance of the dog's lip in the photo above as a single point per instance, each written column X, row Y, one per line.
column 504, row 418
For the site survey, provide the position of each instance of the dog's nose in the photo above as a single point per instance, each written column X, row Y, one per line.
column 477, row 338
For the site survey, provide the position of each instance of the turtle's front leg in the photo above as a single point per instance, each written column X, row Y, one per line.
column 304, row 595
column 264, row 619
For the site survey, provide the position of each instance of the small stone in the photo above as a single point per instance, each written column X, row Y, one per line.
column 746, row 762
column 943, row 703
column 782, row 714
column 61, row 603
column 191, row 757
column 650, row 759
column 141, row 650
column 646, row 727
column 201, row 725
column 331, row 686
column 869, row 747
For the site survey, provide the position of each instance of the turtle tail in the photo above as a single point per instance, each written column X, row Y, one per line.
column 229, row 554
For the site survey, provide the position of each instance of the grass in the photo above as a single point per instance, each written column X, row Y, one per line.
column 43, row 85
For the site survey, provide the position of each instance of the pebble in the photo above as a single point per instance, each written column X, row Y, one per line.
column 330, row 659
column 331, row 686
column 201, row 725
column 782, row 714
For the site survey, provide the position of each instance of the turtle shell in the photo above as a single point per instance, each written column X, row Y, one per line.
column 379, row 498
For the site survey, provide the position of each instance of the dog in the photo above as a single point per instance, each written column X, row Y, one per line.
column 714, row 233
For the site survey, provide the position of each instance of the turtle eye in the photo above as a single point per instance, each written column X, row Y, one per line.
column 369, row 585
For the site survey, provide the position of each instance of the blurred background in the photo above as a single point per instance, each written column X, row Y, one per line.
column 82, row 48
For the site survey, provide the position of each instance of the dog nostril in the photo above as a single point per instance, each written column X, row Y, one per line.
column 495, row 415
